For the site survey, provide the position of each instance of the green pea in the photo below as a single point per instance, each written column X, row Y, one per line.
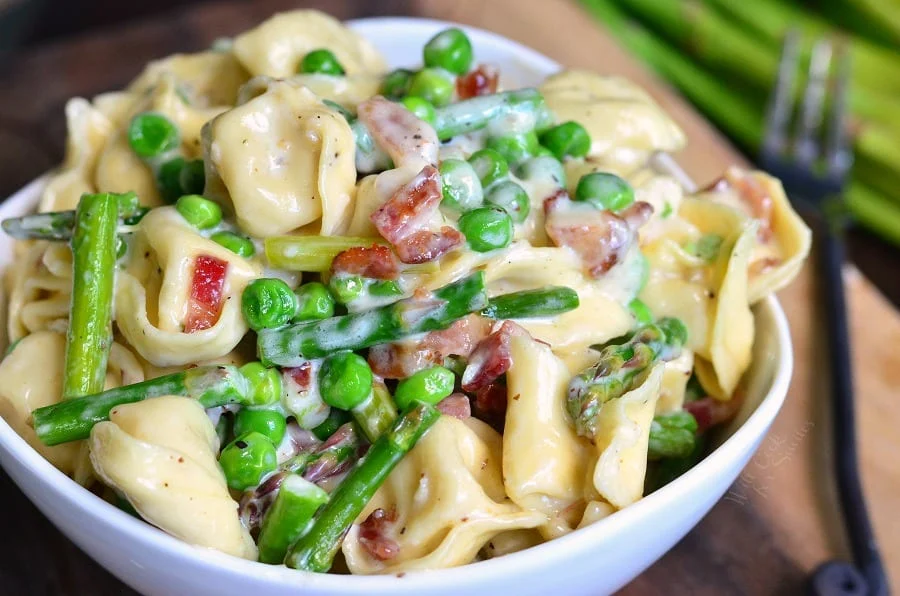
column 568, row 139
column 265, row 383
column 314, row 302
column 346, row 288
column 192, row 177
column 544, row 152
column 151, row 134
column 239, row 245
column 604, row 191
column 321, row 61
column 544, row 168
column 247, row 459
column 199, row 212
column 512, row 198
column 430, row 385
column 168, row 179
column 270, row 423
column 461, row 187
column 420, row 107
column 489, row 165
column 640, row 311
column 383, row 288
column 396, row 84
column 336, row 419
column 432, row 84
column 268, row 303
column 451, row 50
column 345, row 380
column 515, row 148
column 486, row 228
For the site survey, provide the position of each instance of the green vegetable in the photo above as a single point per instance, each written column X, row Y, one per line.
column 605, row 191
column 199, row 212
column 268, row 302
column 568, row 139
column 422, row 109
column 321, row 61
column 151, row 134
column 263, row 384
column 515, row 148
column 663, row 471
column 246, row 460
column 623, row 365
column 396, row 84
column 336, row 418
column 168, row 179
column 542, row 302
column 523, row 109
column 429, row 385
column 640, row 311
column 510, row 197
column 376, row 413
column 451, row 50
column 225, row 428
column 289, row 517
column 314, row 302
column 89, row 335
column 384, row 288
column 432, row 84
column 486, row 228
column 345, row 380
column 315, row 551
column 707, row 247
column 73, row 419
column 489, row 165
column 192, row 177
column 346, row 288
column 290, row 346
column 544, row 168
column 672, row 435
column 58, row 225
column 310, row 253
column 270, row 423
column 460, row 185
column 239, row 245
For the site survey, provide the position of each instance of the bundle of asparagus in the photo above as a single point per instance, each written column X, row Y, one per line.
column 723, row 56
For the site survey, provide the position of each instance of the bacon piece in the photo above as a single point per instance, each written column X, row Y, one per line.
column 709, row 411
column 600, row 238
column 301, row 375
column 399, row 360
column 763, row 265
column 376, row 261
column 399, row 132
column 490, row 405
column 481, row 81
column 425, row 246
column 753, row 192
column 207, row 284
column 373, row 535
column 456, row 405
column 491, row 357
column 329, row 465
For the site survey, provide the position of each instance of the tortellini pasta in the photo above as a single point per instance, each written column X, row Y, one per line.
column 206, row 78
column 39, row 288
column 161, row 454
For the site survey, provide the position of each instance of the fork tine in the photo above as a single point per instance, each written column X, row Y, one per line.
column 781, row 102
column 837, row 153
column 806, row 147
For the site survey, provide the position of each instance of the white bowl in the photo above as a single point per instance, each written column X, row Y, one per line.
column 595, row 560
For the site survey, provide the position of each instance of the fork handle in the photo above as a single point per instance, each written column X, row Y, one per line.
column 853, row 504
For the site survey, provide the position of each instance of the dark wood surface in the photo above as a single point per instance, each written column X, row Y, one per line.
column 748, row 544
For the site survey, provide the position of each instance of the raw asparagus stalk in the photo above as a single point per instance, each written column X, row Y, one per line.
column 623, row 365
column 73, row 419
column 89, row 336
column 289, row 517
column 542, row 302
column 294, row 344
column 315, row 551
column 377, row 413
column 672, row 435
column 58, row 225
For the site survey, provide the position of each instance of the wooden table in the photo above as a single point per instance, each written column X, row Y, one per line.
column 775, row 524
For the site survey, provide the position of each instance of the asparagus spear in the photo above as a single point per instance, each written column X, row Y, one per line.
column 89, row 337
column 328, row 458
column 73, row 419
column 315, row 253
column 542, row 302
column 672, row 435
column 315, row 551
column 288, row 517
column 523, row 106
column 292, row 345
column 58, row 225
column 623, row 365
column 664, row 471
column 376, row 413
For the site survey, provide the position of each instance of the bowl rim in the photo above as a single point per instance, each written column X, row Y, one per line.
column 716, row 463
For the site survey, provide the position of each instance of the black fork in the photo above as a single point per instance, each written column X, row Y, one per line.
column 815, row 176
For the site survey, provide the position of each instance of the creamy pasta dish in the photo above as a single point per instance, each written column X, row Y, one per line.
column 286, row 303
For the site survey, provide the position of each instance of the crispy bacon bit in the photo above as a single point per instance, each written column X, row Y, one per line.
column 402, row 220
column 373, row 534
column 328, row 465
column 399, row 360
column 491, row 357
column 753, row 192
column 600, row 238
column 376, row 261
column 301, row 375
column 205, row 303
column 481, row 81
column 399, row 132
column 456, row 405
column 490, row 405
column 709, row 411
